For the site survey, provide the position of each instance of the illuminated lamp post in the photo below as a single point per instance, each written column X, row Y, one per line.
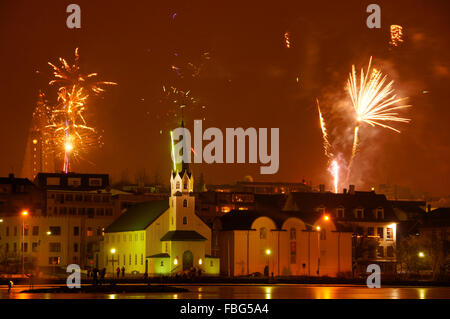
column 113, row 251
column 268, row 253
column 24, row 214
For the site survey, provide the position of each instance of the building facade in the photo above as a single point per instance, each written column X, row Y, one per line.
column 163, row 237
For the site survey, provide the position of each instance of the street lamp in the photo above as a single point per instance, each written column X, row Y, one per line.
column 421, row 254
column 24, row 214
column 113, row 251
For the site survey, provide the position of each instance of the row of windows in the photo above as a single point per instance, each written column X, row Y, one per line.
column 80, row 211
column 61, row 198
column 116, row 238
column 357, row 213
column 52, row 247
column 123, row 258
column 53, row 231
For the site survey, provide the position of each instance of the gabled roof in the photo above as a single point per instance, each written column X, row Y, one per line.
column 182, row 235
column 139, row 217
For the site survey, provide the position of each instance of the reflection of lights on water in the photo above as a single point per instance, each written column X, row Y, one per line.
column 323, row 293
column 113, row 296
column 268, row 291
column 175, row 296
column 422, row 293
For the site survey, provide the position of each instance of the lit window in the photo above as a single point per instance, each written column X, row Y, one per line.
column 389, row 234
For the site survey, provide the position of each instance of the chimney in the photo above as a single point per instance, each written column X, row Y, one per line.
column 345, row 191
column 322, row 188
column 351, row 189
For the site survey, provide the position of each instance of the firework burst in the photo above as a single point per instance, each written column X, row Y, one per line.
column 71, row 134
column 68, row 75
column 374, row 102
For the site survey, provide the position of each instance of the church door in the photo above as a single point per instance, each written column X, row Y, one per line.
column 188, row 260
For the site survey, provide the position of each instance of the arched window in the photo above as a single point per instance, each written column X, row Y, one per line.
column 184, row 220
column 262, row 233
column 178, row 185
column 185, row 203
column 185, row 184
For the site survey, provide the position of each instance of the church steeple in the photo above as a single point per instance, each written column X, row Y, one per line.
column 182, row 180
column 184, row 165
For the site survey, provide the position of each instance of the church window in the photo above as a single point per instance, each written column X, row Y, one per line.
column 184, row 220
column 135, row 259
column 185, row 203
column 162, row 263
column 178, row 185
column 185, row 185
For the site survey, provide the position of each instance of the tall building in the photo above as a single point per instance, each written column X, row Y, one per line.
column 39, row 156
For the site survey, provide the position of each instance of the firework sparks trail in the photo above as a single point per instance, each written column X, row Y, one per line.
column 396, row 35
column 326, row 143
column 374, row 102
column 68, row 75
column 287, row 41
column 334, row 170
column 333, row 167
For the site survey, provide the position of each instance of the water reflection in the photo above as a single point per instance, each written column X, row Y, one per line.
column 268, row 291
column 243, row 291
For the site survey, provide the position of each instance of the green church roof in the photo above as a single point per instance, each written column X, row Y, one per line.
column 138, row 217
column 182, row 235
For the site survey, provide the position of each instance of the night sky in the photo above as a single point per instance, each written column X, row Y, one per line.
column 250, row 80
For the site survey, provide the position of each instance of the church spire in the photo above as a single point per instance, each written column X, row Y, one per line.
column 184, row 165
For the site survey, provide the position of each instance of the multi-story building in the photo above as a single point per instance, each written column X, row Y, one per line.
column 370, row 217
column 67, row 214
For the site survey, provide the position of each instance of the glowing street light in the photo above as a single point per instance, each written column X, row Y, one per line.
column 326, row 217
column 113, row 251
column 24, row 214
column 49, row 233
column 175, row 261
column 268, row 252
column 318, row 228
column 421, row 254
column 1, row 220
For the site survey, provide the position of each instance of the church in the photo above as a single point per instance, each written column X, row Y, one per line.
column 161, row 237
